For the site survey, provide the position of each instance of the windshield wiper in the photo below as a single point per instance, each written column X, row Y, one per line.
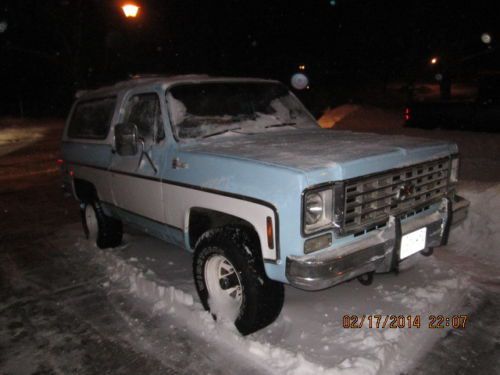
column 280, row 125
column 221, row 132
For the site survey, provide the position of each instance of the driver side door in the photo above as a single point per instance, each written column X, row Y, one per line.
column 135, row 180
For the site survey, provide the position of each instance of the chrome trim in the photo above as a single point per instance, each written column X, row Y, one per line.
column 338, row 197
column 372, row 199
column 376, row 251
column 460, row 210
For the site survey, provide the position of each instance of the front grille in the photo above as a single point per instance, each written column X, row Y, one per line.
column 370, row 200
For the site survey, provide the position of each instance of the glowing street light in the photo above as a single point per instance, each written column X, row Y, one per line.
column 130, row 10
column 434, row 60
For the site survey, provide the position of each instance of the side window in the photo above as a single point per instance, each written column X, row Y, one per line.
column 144, row 111
column 91, row 119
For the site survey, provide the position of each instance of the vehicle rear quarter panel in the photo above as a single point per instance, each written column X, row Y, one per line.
column 90, row 162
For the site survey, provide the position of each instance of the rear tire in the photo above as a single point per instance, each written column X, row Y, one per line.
column 99, row 228
column 227, row 264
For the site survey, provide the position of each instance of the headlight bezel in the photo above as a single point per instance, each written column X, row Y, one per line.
column 331, row 207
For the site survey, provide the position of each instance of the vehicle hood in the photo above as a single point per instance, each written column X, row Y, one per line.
column 325, row 155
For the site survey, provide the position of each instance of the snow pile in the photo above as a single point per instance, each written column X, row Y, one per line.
column 306, row 339
column 14, row 138
column 167, row 299
column 479, row 235
column 332, row 116
column 223, row 307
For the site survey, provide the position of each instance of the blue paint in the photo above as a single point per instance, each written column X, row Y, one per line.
column 279, row 182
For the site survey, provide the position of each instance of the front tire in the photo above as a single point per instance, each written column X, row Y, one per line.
column 231, row 281
column 99, row 228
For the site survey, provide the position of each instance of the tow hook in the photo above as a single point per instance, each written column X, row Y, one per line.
column 366, row 279
column 428, row 252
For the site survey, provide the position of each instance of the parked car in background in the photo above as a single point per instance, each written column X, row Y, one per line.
column 238, row 172
column 481, row 113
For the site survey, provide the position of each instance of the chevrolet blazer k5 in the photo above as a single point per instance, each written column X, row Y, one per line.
column 238, row 172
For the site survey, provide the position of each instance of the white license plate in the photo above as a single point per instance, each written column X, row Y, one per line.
column 413, row 242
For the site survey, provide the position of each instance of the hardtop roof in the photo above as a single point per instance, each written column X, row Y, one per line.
column 159, row 81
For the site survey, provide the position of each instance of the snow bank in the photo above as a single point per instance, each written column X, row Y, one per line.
column 305, row 340
column 332, row 116
column 479, row 235
column 170, row 300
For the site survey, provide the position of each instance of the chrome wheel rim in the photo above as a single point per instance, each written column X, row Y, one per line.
column 222, row 281
column 91, row 222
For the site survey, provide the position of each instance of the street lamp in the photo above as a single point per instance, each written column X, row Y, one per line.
column 130, row 10
column 434, row 60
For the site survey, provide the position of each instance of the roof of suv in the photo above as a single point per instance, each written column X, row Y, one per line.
column 162, row 81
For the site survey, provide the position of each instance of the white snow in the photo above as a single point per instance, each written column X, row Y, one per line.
column 479, row 236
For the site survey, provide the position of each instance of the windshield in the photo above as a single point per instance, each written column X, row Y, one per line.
column 200, row 110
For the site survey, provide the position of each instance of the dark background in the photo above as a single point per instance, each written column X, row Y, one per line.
column 52, row 48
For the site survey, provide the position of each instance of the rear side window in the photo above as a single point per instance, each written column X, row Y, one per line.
column 91, row 119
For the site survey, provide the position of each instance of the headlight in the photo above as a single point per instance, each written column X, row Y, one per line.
column 454, row 170
column 314, row 208
column 318, row 209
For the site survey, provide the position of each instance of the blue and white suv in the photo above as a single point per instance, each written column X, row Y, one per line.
column 238, row 172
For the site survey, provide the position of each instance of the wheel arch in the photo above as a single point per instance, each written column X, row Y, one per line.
column 201, row 220
column 85, row 191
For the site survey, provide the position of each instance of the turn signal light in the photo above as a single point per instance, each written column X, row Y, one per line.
column 270, row 233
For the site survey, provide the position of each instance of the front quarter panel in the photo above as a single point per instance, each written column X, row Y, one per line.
column 246, row 189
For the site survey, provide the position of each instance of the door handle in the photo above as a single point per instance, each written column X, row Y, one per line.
column 178, row 164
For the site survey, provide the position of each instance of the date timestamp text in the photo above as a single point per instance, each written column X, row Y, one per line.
column 405, row 321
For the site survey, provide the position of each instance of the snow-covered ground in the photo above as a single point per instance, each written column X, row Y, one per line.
column 146, row 288
column 309, row 337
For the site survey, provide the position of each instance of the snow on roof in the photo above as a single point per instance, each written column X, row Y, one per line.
column 164, row 81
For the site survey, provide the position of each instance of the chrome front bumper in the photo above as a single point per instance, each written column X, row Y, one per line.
column 377, row 251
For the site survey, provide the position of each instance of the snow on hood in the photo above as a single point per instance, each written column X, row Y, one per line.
column 314, row 149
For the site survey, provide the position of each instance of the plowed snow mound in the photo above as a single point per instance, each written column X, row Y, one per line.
column 479, row 235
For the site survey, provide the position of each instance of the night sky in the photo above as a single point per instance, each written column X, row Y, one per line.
column 51, row 48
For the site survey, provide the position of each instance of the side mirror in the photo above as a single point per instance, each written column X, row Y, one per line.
column 126, row 138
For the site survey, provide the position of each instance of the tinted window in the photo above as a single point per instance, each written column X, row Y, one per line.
column 91, row 119
column 144, row 111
